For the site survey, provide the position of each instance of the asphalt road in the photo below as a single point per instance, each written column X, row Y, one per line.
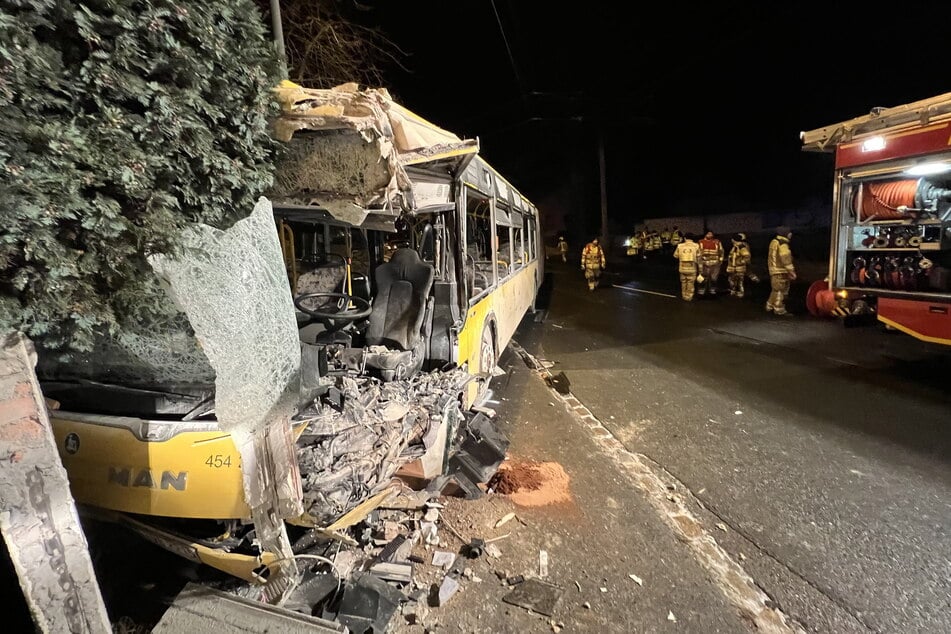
column 823, row 452
column 816, row 456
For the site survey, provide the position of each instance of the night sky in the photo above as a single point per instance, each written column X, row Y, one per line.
column 700, row 108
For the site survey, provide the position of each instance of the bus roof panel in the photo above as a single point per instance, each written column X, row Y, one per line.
column 348, row 144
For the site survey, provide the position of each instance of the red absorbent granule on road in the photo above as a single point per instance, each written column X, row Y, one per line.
column 530, row 483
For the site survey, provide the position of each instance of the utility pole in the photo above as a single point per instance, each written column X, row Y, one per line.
column 604, row 190
column 278, row 29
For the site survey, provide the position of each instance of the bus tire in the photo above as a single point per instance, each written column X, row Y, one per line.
column 487, row 361
column 487, row 356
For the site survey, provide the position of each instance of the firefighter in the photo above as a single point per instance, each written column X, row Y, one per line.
column 563, row 248
column 676, row 237
column 665, row 240
column 711, row 259
column 782, row 271
column 592, row 263
column 648, row 241
column 634, row 245
column 643, row 239
column 688, row 252
column 736, row 264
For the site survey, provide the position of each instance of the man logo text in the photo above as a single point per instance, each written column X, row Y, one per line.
column 144, row 478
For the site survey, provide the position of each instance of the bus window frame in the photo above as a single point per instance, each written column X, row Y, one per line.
column 503, row 220
column 519, row 260
column 473, row 194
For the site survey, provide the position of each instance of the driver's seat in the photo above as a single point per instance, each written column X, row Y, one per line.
column 396, row 338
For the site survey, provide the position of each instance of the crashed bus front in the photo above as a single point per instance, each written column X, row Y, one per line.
column 332, row 328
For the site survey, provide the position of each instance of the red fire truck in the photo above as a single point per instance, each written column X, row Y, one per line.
column 890, row 256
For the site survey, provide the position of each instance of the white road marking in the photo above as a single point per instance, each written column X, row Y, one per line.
column 641, row 290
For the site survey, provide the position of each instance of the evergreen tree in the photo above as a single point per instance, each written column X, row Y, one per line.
column 121, row 121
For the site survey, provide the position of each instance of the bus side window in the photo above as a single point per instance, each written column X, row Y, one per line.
column 528, row 235
column 518, row 245
column 479, row 238
column 504, row 249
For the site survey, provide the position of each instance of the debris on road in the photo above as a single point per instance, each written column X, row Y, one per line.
column 535, row 595
column 506, row 518
column 559, row 383
column 543, row 563
column 636, row 579
column 447, row 589
column 475, row 548
column 443, row 559
column 368, row 604
column 671, row 617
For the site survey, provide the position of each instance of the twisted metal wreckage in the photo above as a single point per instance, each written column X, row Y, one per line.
column 325, row 430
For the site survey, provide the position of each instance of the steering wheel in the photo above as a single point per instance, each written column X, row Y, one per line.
column 360, row 310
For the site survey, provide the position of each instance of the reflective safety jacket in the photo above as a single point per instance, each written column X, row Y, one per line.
column 592, row 257
column 780, row 258
column 688, row 252
column 676, row 237
column 738, row 258
column 711, row 251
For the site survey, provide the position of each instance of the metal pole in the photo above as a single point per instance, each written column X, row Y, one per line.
column 604, row 191
column 278, row 29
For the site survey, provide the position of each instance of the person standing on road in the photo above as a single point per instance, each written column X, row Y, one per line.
column 665, row 240
column 688, row 252
column 592, row 263
column 644, row 242
column 782, row 271
column 736, row 264
column 676, row 237
column 711, row 259
column 563, row 248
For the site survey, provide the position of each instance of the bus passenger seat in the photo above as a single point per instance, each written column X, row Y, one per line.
column 396, row 341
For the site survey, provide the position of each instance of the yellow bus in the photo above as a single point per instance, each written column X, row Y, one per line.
column 411, row 256
column 436, row 195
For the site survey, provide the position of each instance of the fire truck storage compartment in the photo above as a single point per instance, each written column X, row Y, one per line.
column 896, row 231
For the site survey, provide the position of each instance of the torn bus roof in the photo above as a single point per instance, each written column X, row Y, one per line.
column 348, row 150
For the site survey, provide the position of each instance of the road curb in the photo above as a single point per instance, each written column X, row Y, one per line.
column 736, row 584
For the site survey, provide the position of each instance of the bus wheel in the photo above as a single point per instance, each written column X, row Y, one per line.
column 486, row 362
